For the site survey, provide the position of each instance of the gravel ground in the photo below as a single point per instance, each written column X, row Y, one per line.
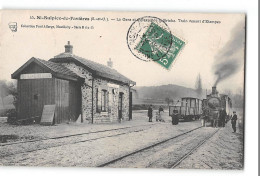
column 36, row 131
column 90, row 153
column 223, row 151
column 165, row 154
column 43, row 144
column 96, row 152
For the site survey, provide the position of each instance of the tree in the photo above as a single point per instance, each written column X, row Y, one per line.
column 12, row 90
column 3, row 91
column 8, row 88
column 198, row 85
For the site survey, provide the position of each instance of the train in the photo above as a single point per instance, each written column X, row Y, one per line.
column 192, row 108
column 214, row 103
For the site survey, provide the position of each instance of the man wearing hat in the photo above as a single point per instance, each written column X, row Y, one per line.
column 234, row 121
column 150, row 113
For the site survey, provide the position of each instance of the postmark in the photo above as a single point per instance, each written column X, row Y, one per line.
column 150, row 39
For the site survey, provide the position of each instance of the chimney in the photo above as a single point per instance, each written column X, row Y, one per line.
column 68, row 48
column 214, row 90
column 110, row 63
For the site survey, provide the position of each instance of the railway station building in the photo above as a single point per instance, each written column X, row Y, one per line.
column 80, row 89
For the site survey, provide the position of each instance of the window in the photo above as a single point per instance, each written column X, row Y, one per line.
column 104, row 101
column 101, row 100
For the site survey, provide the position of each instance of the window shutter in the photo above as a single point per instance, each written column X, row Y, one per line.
column 98, row 100
column 110, row 101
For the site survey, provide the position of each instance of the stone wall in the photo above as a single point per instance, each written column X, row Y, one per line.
column 86, row 90
column 113, row 89
column 112, row 101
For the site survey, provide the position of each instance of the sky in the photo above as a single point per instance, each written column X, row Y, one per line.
column 204, row 43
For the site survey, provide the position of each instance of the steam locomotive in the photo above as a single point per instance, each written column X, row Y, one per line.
column 190, row 108
column 214, row 103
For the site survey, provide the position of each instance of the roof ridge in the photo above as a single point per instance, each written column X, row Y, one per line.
column 57, row 69
column 59, row 65
column 100, row 69
column 74, row 55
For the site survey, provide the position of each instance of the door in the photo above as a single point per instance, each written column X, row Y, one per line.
column 33, row 95
column 120, row 105
column 130, row 105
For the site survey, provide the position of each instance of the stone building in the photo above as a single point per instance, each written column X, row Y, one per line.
column 95, row 93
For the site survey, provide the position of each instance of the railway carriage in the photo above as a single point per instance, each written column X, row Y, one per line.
column 188, row 108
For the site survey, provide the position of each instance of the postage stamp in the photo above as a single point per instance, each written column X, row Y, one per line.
column 150, row 39
column 168, row 59
column 155, row 42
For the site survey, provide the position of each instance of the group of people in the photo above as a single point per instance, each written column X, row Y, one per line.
column 216, row 123
column 175, row 119
column 223, row 120
column 150, row 112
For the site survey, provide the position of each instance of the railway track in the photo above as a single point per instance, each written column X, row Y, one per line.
column 145, row 148
column 132, row 156
column 57, row 144
column 192, row 150
column 72, row 135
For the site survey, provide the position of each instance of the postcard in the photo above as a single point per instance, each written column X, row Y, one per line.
column 122, row 89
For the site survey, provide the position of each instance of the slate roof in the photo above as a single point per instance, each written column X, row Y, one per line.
column 56, row 69
column 96, row 68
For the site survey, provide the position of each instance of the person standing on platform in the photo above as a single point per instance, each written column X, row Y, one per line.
column 150, row 113
column 224, row 117
column 161, row 110
column 175, row 117
column 215, row 119
column 234, row 121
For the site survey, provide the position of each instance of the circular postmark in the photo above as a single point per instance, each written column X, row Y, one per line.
column 149, row 38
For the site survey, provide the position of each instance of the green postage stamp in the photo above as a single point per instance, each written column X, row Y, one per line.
column 159, row 45
column 175, row 49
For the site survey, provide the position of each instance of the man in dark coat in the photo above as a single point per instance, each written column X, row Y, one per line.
column 234, row 121
column 150, row 113
column 223, row 115
column 175, row 117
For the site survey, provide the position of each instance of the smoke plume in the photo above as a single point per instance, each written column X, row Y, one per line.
column 231, row 56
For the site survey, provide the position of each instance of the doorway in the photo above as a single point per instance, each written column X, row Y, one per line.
column 120, row 106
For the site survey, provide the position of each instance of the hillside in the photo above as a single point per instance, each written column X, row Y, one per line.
column 158, row 94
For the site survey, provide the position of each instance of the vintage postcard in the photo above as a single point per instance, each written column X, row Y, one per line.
column 122, row 89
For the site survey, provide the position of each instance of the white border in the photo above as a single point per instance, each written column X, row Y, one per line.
column 229, row 6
